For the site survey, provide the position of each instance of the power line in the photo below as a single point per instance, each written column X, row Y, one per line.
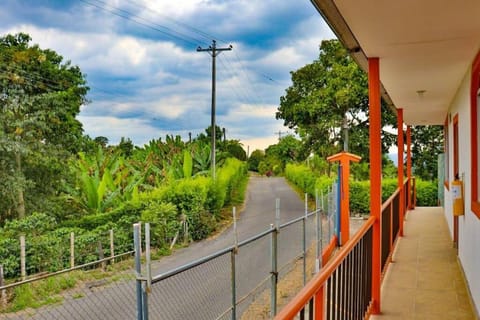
column 210, row 36
column 125, row 14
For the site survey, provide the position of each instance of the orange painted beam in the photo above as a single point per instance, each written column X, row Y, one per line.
column 409, row 167
column 400, row 144
column 344, row 158
column 375, row 176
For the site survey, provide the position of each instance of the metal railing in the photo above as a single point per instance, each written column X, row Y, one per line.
column 248, row 279
column 343, row 288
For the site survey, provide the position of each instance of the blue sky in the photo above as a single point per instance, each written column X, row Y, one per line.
column 146, row 77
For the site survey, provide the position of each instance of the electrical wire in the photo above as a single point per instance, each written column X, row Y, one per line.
column 141, row 21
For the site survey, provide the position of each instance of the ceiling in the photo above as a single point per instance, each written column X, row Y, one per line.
column 425, row 48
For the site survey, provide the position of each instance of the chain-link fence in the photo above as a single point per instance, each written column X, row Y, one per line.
column 248, row 280
column 67, row 276
column 97, row 290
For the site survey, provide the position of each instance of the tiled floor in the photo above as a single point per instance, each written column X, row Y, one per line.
column 425, row 281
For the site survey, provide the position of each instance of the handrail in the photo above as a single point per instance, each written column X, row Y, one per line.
column 390, row 199
column 304, row 296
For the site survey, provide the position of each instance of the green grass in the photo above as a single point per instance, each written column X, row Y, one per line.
column 49, row 291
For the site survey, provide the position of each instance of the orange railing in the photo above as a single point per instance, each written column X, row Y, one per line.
column 343, row 288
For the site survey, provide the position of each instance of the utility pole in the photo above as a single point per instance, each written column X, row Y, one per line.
column 280, row 134
column 214, row 51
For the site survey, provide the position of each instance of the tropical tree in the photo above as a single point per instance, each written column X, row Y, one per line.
column 255, row 158
column 40, row 95
column 327, row 95
column 105, row 179
column 427, row 144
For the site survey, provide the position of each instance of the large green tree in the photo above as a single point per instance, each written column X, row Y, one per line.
column 40, row 96
column 326, row 95
column 427, row 144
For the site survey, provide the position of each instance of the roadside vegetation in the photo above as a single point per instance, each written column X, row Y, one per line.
column 54, row 180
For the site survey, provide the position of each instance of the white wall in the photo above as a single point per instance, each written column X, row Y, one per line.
column 469, row 224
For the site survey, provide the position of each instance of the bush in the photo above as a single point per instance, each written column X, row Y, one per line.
column 427, row 193
column 302, row 177
column 164, row 222
column 359, row 197
column 200, row 199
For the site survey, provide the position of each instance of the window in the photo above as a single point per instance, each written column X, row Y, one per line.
column 475, row 134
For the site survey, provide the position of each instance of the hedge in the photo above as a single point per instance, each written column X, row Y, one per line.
column 305, row 179
column 197, row 199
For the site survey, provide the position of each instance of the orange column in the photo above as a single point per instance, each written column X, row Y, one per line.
column 375, row 176
column 409, row 168
column 400, row 167
column 344, row 158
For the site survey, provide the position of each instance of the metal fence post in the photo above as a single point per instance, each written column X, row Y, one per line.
column 233, row 270
column 147, row 286
column 3, row 293
column 23, row 271
column 318, row 234
column 305, row 241
column 274, row 248
column 138, row 269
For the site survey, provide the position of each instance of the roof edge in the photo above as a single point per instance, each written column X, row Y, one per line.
column 332, row 16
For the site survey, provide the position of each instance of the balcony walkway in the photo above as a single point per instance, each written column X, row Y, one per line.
column 425, row 281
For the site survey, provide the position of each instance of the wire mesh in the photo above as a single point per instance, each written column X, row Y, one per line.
column 254, row 264
column 201, row 292
column 80, row 294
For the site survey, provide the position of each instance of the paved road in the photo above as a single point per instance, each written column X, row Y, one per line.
column 203, row 292
column 258, row 214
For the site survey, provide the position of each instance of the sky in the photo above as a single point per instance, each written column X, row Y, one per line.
column 146, row 77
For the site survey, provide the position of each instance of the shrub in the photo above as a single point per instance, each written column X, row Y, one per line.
column 302, row 177
column 359, row 197
column 164, row 222
column 427, row 193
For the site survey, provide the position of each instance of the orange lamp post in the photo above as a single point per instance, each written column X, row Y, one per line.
column 344, row 158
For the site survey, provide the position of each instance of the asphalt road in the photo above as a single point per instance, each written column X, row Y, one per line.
column 205, row 291
column 257, row 215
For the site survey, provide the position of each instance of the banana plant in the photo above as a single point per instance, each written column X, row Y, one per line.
column 105, row 180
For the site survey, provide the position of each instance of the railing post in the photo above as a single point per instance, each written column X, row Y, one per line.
column 414, row 200
column 274, row 247
column 23, row 270
column 233, row 261
column 391, row 230
column 138, row 269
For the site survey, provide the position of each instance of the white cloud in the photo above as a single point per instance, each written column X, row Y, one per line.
column 138, row 130
column 144, row 86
